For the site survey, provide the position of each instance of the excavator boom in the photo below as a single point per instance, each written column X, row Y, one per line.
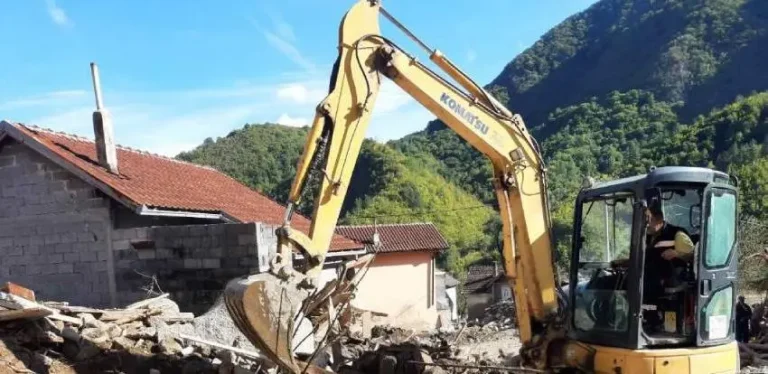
column 331, row 152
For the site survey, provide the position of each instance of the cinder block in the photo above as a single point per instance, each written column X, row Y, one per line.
column 163, row 253
column 99, row 266
column 102, row 255
column 34, row 269
column 216, row 252
column 65, row 268
column 147, row 254
column 69, row 236
column 17, row 270
column 63, row 248
column 71, row 258
column 48, row 269
column 192, row 263
column 6, row 161
column 88, row 256
column 32, row 250
column 246, row 239
column 13, row 251
column 211, row 263
column 55, row 258
column 36, row 240
column 52, row 239
column 121, row 245
column 6, row 242
column 85, row 237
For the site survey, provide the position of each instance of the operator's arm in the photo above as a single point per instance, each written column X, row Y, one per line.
column 683, row 248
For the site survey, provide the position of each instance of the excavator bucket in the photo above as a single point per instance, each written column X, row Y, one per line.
column 265, row 308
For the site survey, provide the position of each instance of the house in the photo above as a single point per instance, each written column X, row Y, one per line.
column 400, row 281
column 96, row 230
column 485, row 285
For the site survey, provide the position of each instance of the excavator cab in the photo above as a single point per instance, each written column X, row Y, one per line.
column 623, row 296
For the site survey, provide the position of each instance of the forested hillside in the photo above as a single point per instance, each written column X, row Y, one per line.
column 702, row 53
column 609, row 92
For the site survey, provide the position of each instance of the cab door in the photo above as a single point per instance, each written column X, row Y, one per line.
column 717, row 267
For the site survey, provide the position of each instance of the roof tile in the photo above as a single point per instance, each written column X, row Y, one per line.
column 398, row 237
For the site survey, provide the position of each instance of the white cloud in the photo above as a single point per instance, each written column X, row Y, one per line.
column 471, row 55
column 282, row 38
column 287, row 120
column 289, row 50
column 57, row 14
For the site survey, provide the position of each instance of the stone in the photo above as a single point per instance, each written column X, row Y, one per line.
column 170, row 346
column 141, row 333
column 122, row 343
column 186, row 351
column 154, row 371
column 90, row 321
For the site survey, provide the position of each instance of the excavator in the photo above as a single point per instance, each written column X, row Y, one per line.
column 598, row 321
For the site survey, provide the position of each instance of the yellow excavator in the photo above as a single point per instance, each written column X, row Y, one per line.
column 601, row 323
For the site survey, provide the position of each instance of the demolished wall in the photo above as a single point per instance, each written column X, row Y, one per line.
column 193, row 263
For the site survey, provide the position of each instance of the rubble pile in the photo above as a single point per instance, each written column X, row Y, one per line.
column 501, row 315
column 55, row 337
column 394, row 350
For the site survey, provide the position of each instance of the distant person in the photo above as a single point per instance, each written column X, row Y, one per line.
column 743, row 317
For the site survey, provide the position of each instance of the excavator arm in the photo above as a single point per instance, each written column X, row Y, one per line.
column 339, row 128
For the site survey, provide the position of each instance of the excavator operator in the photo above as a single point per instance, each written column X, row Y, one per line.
column 669, row 249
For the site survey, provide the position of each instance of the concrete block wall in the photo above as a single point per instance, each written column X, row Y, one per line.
column 53, row 229
column 192, row 262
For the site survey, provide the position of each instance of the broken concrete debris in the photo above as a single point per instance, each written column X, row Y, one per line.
column 58, row 338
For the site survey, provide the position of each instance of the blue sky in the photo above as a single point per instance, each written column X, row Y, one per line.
column 176, row 72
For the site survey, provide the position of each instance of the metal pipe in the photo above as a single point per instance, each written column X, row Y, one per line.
column 96, row 85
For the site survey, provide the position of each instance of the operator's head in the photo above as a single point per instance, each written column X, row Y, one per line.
column 654, row 216
column 741, row 298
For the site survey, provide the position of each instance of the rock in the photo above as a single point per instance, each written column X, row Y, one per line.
column 90, row 321
column 142, row 333
column 114, row 331
column 216, row 362
column 154, row 371
column 186, row 351
column 170, row 346
column 122, row 343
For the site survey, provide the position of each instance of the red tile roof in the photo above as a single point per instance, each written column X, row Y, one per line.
column 398, row 237
column 165, row 183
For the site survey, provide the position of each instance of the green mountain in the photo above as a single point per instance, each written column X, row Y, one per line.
column 703, row 53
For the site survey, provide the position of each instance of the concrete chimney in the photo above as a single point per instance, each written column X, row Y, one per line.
column 102, row 128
